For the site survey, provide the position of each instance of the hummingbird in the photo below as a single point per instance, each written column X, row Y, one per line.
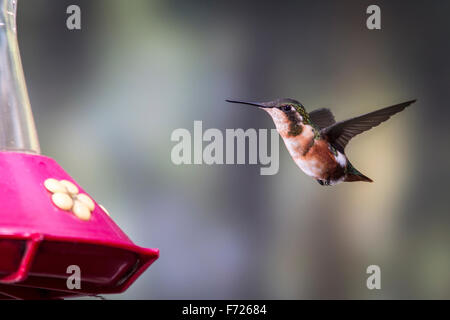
column 316, row 142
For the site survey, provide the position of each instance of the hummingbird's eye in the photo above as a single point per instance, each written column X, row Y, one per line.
column 286, row 108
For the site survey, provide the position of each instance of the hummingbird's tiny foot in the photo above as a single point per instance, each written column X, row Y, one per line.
column 324, row 182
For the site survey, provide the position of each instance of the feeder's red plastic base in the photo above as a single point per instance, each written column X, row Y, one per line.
column 39, row 242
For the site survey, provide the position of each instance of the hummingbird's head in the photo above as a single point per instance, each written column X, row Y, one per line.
column 288, row 114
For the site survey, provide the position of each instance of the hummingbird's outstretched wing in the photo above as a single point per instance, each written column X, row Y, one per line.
column 340, row 133
column 322, row 118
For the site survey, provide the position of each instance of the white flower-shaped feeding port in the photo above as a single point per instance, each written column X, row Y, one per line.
column 66, row 196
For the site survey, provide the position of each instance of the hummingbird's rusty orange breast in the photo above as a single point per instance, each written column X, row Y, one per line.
column 314, row 157
column 322, row 159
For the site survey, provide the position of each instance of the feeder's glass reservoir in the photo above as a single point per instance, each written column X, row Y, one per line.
column 17, row 129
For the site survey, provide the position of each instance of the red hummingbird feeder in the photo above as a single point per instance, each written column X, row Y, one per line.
column 48, row 224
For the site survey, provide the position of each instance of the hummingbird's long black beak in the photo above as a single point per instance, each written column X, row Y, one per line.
column 256, row 104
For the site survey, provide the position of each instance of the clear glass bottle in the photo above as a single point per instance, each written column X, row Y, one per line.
column 17, row 129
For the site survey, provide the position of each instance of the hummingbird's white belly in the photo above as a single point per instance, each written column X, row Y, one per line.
column 311, row 168
column 309, row 165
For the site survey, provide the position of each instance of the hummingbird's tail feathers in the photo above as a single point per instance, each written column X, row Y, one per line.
column 354, row 175
column 351, row 177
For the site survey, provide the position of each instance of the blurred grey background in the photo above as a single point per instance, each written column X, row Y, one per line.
column 107, row 98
